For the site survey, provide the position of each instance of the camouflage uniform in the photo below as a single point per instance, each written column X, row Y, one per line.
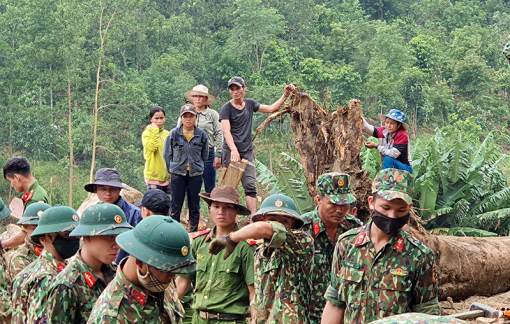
column 76, row 289
column 417, row 318
column 30, row 286
column 336, row 186
column 5, row 298
column 24, row 255
column 122, row 301
column 221, row 286
column 399, row 278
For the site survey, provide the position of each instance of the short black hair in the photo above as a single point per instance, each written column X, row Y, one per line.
column 156, row 109
column 353, row 205
column 17, row 165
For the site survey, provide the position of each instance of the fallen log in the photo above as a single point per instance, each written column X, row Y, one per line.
column 330, row 140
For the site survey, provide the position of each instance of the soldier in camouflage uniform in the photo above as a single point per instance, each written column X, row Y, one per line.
column 140, row 293
column 332, row 217
column 417, row 318
column 224, row 288
column 5, row 298
column 283, row 289
column 28, row 252
column 378, row 269
column 75, row 290
column 31, row 285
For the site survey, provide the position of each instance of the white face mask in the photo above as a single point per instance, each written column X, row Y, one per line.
column 150, row 282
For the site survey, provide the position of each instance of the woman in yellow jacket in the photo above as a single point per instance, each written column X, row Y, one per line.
column 153, row 139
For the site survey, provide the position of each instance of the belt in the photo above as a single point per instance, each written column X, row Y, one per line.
column 187, row 305
column 221, row 317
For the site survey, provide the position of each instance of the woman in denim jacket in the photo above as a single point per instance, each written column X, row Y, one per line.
column 186, row 151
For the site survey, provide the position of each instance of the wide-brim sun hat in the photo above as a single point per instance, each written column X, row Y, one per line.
column 397, row 116
column 227, row 195
column 200, row 90
column 160, row 242
column 57, row 219
column 279, row 205
column 106, row 177
column 32, row 213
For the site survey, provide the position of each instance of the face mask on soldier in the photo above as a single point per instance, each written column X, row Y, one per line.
column 66, row 247
column 150, row 282
column 387, row 224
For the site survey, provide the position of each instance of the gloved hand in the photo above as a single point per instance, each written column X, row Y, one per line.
column 220, row 243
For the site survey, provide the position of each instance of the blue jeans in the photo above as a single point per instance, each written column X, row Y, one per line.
column 181, row 185
column 210, row 173
column 391, row 163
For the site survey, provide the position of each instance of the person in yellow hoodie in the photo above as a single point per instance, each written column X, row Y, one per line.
column 153, row 139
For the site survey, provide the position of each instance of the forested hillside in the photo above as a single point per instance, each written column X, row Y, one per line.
column 69, row 65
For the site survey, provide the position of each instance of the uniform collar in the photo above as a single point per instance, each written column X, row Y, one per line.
column 32, row 187
column 397, row 241
column 88, row 274
column 47, row 257
column 318, row 225
column 121, row 203
column 132, row 291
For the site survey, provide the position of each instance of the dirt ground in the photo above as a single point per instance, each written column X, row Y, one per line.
column 500, row 302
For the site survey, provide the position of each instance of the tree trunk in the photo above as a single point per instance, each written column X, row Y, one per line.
column 331, row 141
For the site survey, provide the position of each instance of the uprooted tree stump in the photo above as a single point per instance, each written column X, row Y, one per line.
column 330, row 141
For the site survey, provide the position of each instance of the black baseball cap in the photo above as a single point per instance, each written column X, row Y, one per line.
column 236, row 80
column 155, row 200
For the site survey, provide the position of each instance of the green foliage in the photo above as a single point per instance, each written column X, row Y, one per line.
column 288, row 179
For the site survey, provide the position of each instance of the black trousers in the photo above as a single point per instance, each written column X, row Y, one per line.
column 181, row 185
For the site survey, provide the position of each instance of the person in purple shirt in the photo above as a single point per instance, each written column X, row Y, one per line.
column 107, row 186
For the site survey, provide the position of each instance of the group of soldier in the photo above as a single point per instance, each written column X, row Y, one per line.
column 321, row 267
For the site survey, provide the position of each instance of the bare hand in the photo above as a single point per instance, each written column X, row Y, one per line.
column 371, row 145
column 289, row 89
column 217, row 163
column 234, row 156
column 152, row 125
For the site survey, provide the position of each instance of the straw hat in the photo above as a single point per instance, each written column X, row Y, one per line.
column 200, row 90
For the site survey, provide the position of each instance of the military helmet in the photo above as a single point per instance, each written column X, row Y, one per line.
column 33, row 213
column 4, row 210
column 279, row 205
column 161, row 242
column 102, row 219
column 55, row 220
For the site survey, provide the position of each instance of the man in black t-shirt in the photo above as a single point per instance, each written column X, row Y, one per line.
column 236, row 118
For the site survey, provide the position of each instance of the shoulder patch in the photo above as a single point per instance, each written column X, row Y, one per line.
column 28, row 195
column 251, row 241
column 201, row 233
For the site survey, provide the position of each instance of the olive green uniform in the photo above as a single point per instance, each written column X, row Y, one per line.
column 221, row 285
column 34, row 194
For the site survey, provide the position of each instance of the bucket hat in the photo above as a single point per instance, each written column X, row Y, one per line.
column 55, row 220
column 106, row 177
column 396, row 115
column 200, row 90
column 394, row 183
column 33, row 213
column 227, row 195
column 4, row 210
column 279, row 205
column 161, row 242
column 102, row 219
column 337, row 187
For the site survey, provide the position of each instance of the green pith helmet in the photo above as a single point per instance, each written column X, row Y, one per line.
column 279, row 205
column 337, row 187
column 102, row 219
column 4, row 210
column 394, row 183
column 55, row 220
column 160, row 242
column 33, row 213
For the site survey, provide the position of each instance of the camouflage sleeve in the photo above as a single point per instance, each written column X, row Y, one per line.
column 61, row 304
column 104, row 320
column 333, row 292
column 248, row 266
column 279, row 235
column 425, row 293
column 38, row 297
column 297, row 245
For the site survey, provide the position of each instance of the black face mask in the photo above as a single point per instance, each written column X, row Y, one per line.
column 66, row 247
column 389, row 225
